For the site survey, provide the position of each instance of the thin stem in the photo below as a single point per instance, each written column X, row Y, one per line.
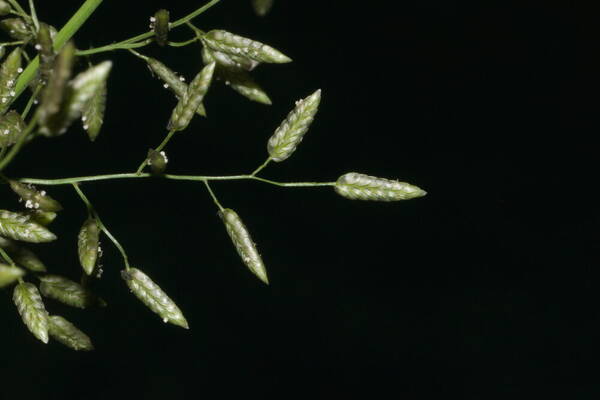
column 257, row 170
column 159, row 148
column 7, row 257
column 215, row 200
column 34, row 18
column 199, row 32
column 101, row 225
column 193, row 178
column 66, row 33
column 16, row 43
column 182, row 44
column 31, row 101
column 112, row 47
column 17, row 7
column 15, row 149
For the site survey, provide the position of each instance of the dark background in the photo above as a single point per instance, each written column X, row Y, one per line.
column 485, row 288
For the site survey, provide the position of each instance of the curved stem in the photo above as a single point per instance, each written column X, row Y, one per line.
column 257, row 170
column 216, row 201
column 194, row 178
column 34, row 17
column 112, row 47
column 6, row 257
column 101, row 225
column 182, row 44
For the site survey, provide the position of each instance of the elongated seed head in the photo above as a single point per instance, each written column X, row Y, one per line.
column 4, row 8
column 9, row 274
column 68, row 334
column 11, row 127
column 161, row 27
column 357, row 186
column 88, row 245
column 16, row 28
column 291, row 131
column 243, row 243
column 153, row 297
column 93, row 112
column 67, row 291
column 20, row 227
column 188, row 104
column 229, row 43
column 227, row 60
column 22, row 256
column 44, row 47
column 34, row 198
column 9, row 72
column 31, row 308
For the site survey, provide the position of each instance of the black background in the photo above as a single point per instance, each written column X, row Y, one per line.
column 484, row 288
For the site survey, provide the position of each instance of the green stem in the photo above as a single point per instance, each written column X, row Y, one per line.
column 34, row 18
column 216, row 201
column 159, row 148
column 7, row 257
column 15, row 149
column 17, row 7
column 112, row 47
column 66, row 33
column 257, row 170
column 194, row 178
column 101, row 225
column 31, row 101
column 182, row 44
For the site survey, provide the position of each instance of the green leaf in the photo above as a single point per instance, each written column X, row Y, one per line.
column 88, row 245
column 31, row 308
column 19, row 227
column 243, row 243
column 9, row 274
column 357, row 186
column 153, row 297
column 66, row 333
column 291, row 131
column 68, row 292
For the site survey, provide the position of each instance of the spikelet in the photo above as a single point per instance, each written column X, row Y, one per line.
column 236, row 77
column 172, row 81
column 66, row 291
column 16, row 28
column 22, row 256
column 9, row 71
column 88, row 245
column 11, row 126
column 40, row 217
column 34, row 198
column 66, row 333
column 157, row 161
column 19, row 227
column 85, row 85
column 262, row 7
column 291, row 131
column 45, row 47
column 243, row 243
column 232, row 44
column 357, row 186
column 53, row 113
column 31, row 308
column 191, row 101
column 9, row 274
column 153, row 297
column 4, row 8
column 160, row 25
column 227, row 60
column 93, row 113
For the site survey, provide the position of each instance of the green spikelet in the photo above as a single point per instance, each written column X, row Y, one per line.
column 66, row 333
column 291, row 131
column 243, row 243
column 357, row 186
column 93, row 113
column 19, row 227
column 88, row 245
column 40, row 217
column 229, row 43
column 9, row 72
column 153, row 297
column 227, row 60
column 34, row 198
column 9, row 274
column 45, row 47
column 11, row 127
column 262, row 7
column 4, row 8
column 191, row 101
column 53, row 113
column 22, row 256
column 66, row 291
column 31, row 308
column 16, row 28
column 157, row 161
column 172, row 81
column 160, row 24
